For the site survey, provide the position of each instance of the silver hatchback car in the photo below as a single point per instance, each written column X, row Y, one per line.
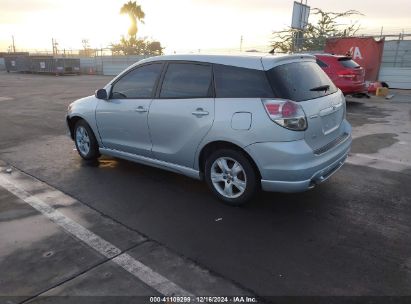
column 241, row 123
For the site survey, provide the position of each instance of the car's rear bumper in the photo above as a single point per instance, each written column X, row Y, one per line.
column 299, row 186
column 352, row 88
column 294, row 167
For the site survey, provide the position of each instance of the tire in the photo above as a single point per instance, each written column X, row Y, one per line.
column 85, row 141
column 242, row 179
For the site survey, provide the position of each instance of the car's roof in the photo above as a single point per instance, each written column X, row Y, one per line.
column 258, row 61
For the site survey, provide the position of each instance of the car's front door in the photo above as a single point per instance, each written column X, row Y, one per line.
column 182, row 113
column 122, row 119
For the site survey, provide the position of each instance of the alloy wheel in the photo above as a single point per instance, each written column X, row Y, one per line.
column 228, row 177
column 82, row 140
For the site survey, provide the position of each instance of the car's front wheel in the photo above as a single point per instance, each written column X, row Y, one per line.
column 85, row 140
column 231, row 176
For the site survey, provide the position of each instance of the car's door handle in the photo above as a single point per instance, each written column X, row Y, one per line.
column 200, row 112
column 140, row 109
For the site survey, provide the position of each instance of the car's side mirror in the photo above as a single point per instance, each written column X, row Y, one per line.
column 101, row 94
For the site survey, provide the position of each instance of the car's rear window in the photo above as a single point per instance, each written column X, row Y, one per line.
column 299, row 81
column 321, row 63
column 348, row 62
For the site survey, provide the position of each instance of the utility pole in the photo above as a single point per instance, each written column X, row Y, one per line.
column 241, row 43
column 54, row 45
column 14, row 46
column 298, row 35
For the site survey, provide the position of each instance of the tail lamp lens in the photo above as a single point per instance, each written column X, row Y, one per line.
column 347, row 74
column 286, row 113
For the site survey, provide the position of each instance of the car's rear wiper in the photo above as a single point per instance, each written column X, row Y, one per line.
column 324, row 88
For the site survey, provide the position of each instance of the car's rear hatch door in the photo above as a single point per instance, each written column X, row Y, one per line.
column 351, row 69
column 324, row 117
column 304, row 82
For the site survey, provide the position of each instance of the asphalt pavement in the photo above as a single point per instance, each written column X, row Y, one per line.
column 351, row 236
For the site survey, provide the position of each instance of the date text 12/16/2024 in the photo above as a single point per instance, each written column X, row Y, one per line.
column 203, row 299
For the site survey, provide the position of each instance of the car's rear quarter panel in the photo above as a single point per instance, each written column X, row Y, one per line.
column 262, row 129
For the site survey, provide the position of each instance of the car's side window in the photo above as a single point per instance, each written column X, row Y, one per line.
column 139, row 83
column 187, row 80
column 236, row 82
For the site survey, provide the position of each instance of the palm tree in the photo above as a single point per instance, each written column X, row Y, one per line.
column 135, row 13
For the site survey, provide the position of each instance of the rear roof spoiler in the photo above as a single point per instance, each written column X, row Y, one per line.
column 344, row 58
column 269, row 61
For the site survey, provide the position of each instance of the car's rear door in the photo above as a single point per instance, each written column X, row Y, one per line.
column 182, row 113
column 122, row 119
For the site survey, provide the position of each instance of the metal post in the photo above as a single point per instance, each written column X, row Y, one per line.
column 102, row 62
column 293, row 43
column 54, row 45
column 396, row 50
column 299, row 36
column 296, row 47
column 14, row 46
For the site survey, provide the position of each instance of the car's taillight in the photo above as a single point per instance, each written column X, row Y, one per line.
column 286, row 113
column 347, row 74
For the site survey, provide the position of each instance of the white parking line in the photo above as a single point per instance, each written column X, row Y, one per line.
column 3, row 98
column 124, row 260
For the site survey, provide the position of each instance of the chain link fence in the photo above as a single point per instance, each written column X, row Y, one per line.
column 397, row 54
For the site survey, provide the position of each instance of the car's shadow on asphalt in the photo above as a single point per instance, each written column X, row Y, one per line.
column 182, row 188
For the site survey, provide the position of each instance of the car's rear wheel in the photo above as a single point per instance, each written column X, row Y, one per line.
column 231, row 176
column 85, row 140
